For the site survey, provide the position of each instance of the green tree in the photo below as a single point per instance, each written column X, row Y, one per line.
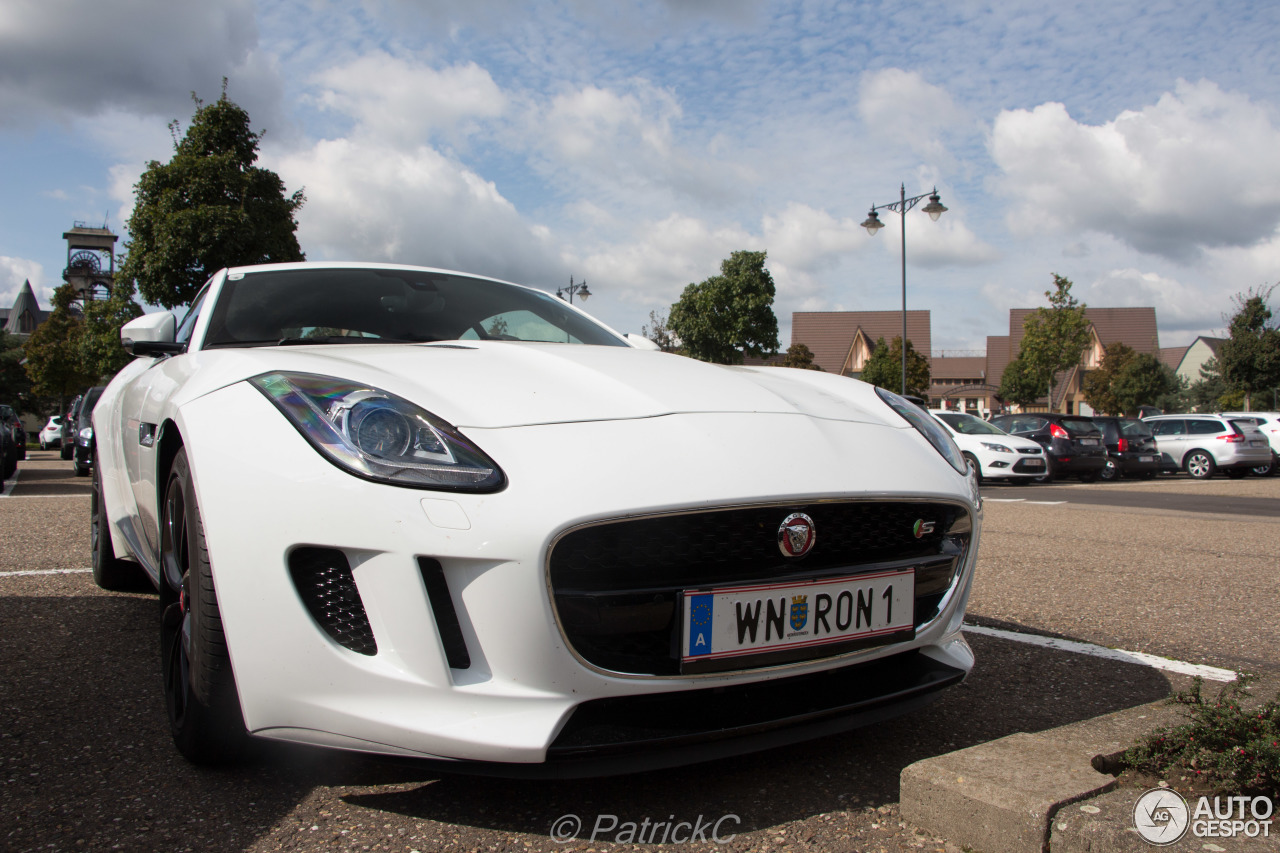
column 1249, row 360
column 884, row 368
column 1209, row 392
column 1054, row 337
column 54, row 361
column 15, row 385
column 101, row 354
column 207, row 208
column 1142, row 381
column 730, row 315
column 800, row 356
column 659, row 331
column 1099, row 385
column 1019, row 384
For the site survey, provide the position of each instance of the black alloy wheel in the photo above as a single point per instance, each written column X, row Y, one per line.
column 199, row 686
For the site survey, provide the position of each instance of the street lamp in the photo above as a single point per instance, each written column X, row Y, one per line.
column 580, row 288
column 873, row 224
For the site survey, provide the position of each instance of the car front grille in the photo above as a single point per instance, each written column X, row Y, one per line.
column 617, row 586
column 328, row 590
column 1030, row 450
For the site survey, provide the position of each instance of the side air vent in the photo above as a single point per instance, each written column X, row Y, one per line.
column 455, row 645
column 328, row 590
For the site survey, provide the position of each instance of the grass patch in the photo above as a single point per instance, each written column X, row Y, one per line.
column 1229, row 745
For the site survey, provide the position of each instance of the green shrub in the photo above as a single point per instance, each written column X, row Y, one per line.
column 1229, row 744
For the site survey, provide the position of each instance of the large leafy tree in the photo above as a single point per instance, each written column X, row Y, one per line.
column 209, row 207
column 1055, row 337
column 1249, row 360
column 15, row 385
column 1020, row 384
column 54, row 361
column 884, row 368
column 101, row 354
column 1142, row 381
column 1099, row 385
column 729, row 316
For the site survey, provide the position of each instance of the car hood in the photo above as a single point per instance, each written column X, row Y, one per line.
column 488, row 384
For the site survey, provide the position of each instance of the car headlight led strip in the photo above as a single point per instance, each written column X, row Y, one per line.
column 378, row 436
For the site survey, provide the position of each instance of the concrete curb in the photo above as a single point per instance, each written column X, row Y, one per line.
column 1003, row 796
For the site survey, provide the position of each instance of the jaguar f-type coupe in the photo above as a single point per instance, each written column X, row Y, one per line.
column 437, row 516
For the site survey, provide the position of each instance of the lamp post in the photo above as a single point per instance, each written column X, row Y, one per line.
column 580, row 288
column 873, row 224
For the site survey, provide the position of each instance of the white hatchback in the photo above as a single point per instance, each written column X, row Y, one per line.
column 993, row 451
column 51, row 433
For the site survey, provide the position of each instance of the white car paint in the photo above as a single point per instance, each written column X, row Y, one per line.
column 998, row 452
column 583, row 434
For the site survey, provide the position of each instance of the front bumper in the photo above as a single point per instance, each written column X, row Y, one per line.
column 523, row 692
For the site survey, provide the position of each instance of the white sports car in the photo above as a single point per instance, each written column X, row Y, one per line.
column 424, row 514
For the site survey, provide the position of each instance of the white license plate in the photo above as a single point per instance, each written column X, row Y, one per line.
column 1146, row 459
column 1257, row 444
column 1033, row 463
column 753, row 620
column 1090, row 441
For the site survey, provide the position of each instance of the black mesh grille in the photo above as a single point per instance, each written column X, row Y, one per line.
column 617, row 586
column 328, row 590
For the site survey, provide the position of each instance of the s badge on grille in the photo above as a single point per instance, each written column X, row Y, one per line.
column 796, row 535
column 922, row 528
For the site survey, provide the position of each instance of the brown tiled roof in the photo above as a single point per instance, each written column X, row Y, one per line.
column 829, row 334
column 997, row 358
column 958, row 368
column 1172, row 356
column 1135, row 327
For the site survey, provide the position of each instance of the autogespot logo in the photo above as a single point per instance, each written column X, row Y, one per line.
column 609, row 829
column 1161, row 816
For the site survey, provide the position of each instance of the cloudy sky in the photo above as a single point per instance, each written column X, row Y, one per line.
column 1134, row 148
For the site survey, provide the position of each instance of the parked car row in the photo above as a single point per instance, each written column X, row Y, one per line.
column 1043, row 446
column 13, row 447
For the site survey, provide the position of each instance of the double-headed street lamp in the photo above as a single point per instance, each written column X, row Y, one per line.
column 873, row 224
column 580, row 288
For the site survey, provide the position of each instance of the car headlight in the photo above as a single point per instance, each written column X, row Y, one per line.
column 379, row 436
column 86, row 434
column 998, row 448
column 928, row 427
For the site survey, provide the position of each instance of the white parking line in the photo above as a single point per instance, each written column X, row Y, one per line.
column 1210, row 673
column 44, row 572
column 1046, row 503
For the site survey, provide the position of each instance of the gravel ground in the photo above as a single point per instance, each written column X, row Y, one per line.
column 87, row 763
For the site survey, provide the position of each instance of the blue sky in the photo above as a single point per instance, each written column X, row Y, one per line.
column 1133, row 149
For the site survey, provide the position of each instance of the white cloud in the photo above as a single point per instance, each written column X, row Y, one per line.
column 367, row 201
column 14, row 272
column 404, row 101
column 901, row 107
column 74, row 58
column 931, row 245
column 1196, row 169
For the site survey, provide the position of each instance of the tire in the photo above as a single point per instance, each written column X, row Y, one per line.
column 67, row 452
column 1264, row 470
column 199, row 686
column 973, row 463
column 109, row 571
column 43, row 446
column 1110, row 471
column 1200, row 464
column 81, row 470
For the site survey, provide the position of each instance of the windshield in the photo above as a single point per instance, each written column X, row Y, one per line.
column 335, row 306
column 969, row 425
column 1131, row 427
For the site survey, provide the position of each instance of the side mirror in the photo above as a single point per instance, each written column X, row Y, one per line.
column 641, row 342
column 151, row 334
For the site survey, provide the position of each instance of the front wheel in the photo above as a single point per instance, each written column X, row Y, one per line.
column 199, row 686
column 1200, row 465
column 973, row 464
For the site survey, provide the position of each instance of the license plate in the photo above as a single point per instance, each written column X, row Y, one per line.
column 738, row 622
column 1089, row 441
column 1146, row 459
column 1033, row 463
column 1257, row 444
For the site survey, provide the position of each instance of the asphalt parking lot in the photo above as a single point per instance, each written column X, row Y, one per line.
column 88, row 765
